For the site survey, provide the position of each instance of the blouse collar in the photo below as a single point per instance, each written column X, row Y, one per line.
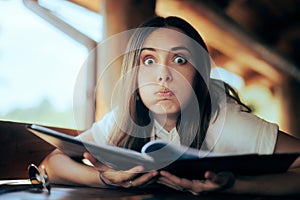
column 160, row 133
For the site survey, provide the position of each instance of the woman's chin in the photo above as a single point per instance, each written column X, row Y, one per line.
column 165, row 110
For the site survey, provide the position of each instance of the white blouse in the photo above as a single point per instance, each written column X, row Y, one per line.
column 233, row 131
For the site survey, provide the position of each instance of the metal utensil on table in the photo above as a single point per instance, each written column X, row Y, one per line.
column 38, row 182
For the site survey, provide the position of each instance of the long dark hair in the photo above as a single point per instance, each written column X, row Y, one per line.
column 134, row 125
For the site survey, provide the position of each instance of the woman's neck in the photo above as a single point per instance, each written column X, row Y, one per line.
column 168, row 122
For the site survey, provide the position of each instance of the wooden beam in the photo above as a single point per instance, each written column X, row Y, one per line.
column 92, row 5
column 220, row 32
column 118, row 16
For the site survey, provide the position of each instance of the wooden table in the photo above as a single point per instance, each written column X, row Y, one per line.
column 150, row 193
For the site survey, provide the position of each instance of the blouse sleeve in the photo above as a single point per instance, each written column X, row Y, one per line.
column 101, row 129
column 235, row 131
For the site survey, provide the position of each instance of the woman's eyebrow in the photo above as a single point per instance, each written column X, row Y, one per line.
column 180, row 48
column 172, row 49
column 148, row 48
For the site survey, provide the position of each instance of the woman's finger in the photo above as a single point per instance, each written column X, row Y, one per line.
column 144, row 179
column 97, row 164
column 182, row 183
column 121, row 177
column 168, row 183
column 223, row 179
column 211, row 176
column 193, row 186
column 89, row 157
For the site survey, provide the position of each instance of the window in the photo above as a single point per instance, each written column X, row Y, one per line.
column 256, row 96
column 39, row 67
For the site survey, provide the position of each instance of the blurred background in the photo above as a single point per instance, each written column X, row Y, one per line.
column 45, row 44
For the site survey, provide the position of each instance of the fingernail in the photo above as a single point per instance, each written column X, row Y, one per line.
column 162, row 172
column 154, row 173
column 139, row 168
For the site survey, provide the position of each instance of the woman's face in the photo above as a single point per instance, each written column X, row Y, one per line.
column 166, row 72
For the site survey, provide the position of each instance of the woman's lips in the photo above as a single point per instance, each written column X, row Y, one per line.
column 165, row 93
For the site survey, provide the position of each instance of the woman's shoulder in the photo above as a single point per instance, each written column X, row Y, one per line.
column 234, row 122
column 102, row 128
column 223, row 94
column 110, row 116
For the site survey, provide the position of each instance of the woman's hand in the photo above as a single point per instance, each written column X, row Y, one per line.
column 125, row 179
column 212, row 182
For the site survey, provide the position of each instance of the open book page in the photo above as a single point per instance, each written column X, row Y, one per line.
column 156, row 155
column 192, row 163
column 116, row 157
column 166, row 153
column 180, row 151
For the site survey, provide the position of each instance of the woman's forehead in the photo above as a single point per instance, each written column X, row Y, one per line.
column 166, row 39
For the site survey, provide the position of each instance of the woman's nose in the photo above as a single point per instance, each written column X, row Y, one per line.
column 164, row 75
column 164, row 78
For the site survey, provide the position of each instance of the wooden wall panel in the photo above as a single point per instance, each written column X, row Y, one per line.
column 19, row 148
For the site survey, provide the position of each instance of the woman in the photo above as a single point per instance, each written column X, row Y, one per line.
column 167, row 94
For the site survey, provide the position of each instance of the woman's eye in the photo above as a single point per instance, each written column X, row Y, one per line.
column 149, row 61
column 180, row 60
